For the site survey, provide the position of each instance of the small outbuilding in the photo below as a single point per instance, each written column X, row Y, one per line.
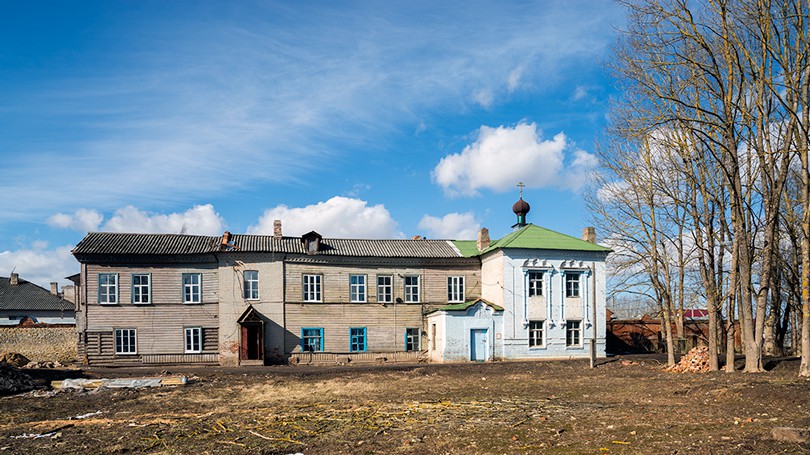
column 465, row 331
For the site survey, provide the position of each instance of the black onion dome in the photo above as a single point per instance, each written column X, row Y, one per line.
column 521, row 207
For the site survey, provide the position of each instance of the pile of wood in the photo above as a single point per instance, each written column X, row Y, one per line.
column 13, row 381
column 695, row 361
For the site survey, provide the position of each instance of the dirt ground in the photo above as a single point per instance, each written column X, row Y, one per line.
column 502, row 407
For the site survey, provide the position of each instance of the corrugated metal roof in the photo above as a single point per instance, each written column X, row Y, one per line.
column 28, row 296
column 112, row 243
column 532, row 237
column 122, row 243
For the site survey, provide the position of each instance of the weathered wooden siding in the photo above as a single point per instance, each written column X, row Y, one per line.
column 167, row 282
column 385, row 325
column 335, row 281
column 99, row 348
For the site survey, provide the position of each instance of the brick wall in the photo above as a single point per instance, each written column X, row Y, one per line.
column 40, row 344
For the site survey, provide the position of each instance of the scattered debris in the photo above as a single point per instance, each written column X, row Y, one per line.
column 53, row 434
column 800, row 435
column 14, row 359
column 695, row 361
column 121, row 383
column 627, row 363
column 84, row 416
column 13, row 381
column 49, row 365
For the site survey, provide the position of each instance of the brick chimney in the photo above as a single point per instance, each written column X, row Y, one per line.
column 54, row 288
column 14, row 279
column 589, row 234
column 483, row 239
column 277, row 229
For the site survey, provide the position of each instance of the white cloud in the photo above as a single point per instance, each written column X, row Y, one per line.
column 82, row 220
column 40, row 265
column 580, row 92
column 484, row 97
column 513, row 80
column 339, row 217
column 454, row 226
column 503, row 156
column 200, row 219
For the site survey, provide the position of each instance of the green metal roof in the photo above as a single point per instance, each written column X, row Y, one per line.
column 531, row 237
column 465, row 305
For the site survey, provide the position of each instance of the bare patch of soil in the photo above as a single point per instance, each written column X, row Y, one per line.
column 504, row 407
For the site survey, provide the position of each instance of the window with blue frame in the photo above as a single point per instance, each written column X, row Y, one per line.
column 312, row 339
column 412, row 339
column 357, row 339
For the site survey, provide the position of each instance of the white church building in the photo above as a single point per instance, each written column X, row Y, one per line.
column 542, row 296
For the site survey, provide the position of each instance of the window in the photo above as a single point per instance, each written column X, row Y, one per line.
column 251, row 287
column 311, row 339
column 108, row 288
column 193, row 340
column 432, row 337
column 412, row 289
column 192, row 287
column 357, row 339
column 572, row 284
column 385, row 289
column 357, row 288
column 125, row 341
column 535, row 333
column 141, row 288
column 412, row 339
column 535, row 283
column 312, row 288
column 455, row 289
column 572, row 333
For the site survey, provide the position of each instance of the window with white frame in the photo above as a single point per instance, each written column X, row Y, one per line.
column 412, row 289
column 192, row 288
column 573, row 333
column 108, row 288
column 536, row 333
column 312, row 339
column 193, row 340
column 251, row 284
column 357, row 339
column 357, row 288
column 126, row 341
column 385, row 289
column 312, row 288
column 413, row 340
column 141, row 288
column 535, row 283
column 455, row 289
column 572, row 284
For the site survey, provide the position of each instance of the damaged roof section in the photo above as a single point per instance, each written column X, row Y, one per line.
column 114, row 243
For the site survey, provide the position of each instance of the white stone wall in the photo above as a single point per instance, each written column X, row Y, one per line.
column 516, row 262
column 454, row 332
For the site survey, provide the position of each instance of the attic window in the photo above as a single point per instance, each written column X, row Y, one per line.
column 312, row 242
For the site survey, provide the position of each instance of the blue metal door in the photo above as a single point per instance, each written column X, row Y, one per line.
column 479, row 345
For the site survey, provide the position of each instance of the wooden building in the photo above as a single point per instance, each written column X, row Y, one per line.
column 259, row 299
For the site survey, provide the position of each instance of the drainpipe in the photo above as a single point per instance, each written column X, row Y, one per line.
column 594, row 319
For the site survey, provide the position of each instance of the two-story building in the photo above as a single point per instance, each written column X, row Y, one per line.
column 256, row 299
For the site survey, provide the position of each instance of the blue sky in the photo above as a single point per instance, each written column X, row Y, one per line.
column 356, row 119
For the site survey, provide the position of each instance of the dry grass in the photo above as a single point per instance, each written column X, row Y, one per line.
column 516, row 407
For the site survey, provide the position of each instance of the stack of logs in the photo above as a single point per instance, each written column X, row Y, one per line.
column 695, row 361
